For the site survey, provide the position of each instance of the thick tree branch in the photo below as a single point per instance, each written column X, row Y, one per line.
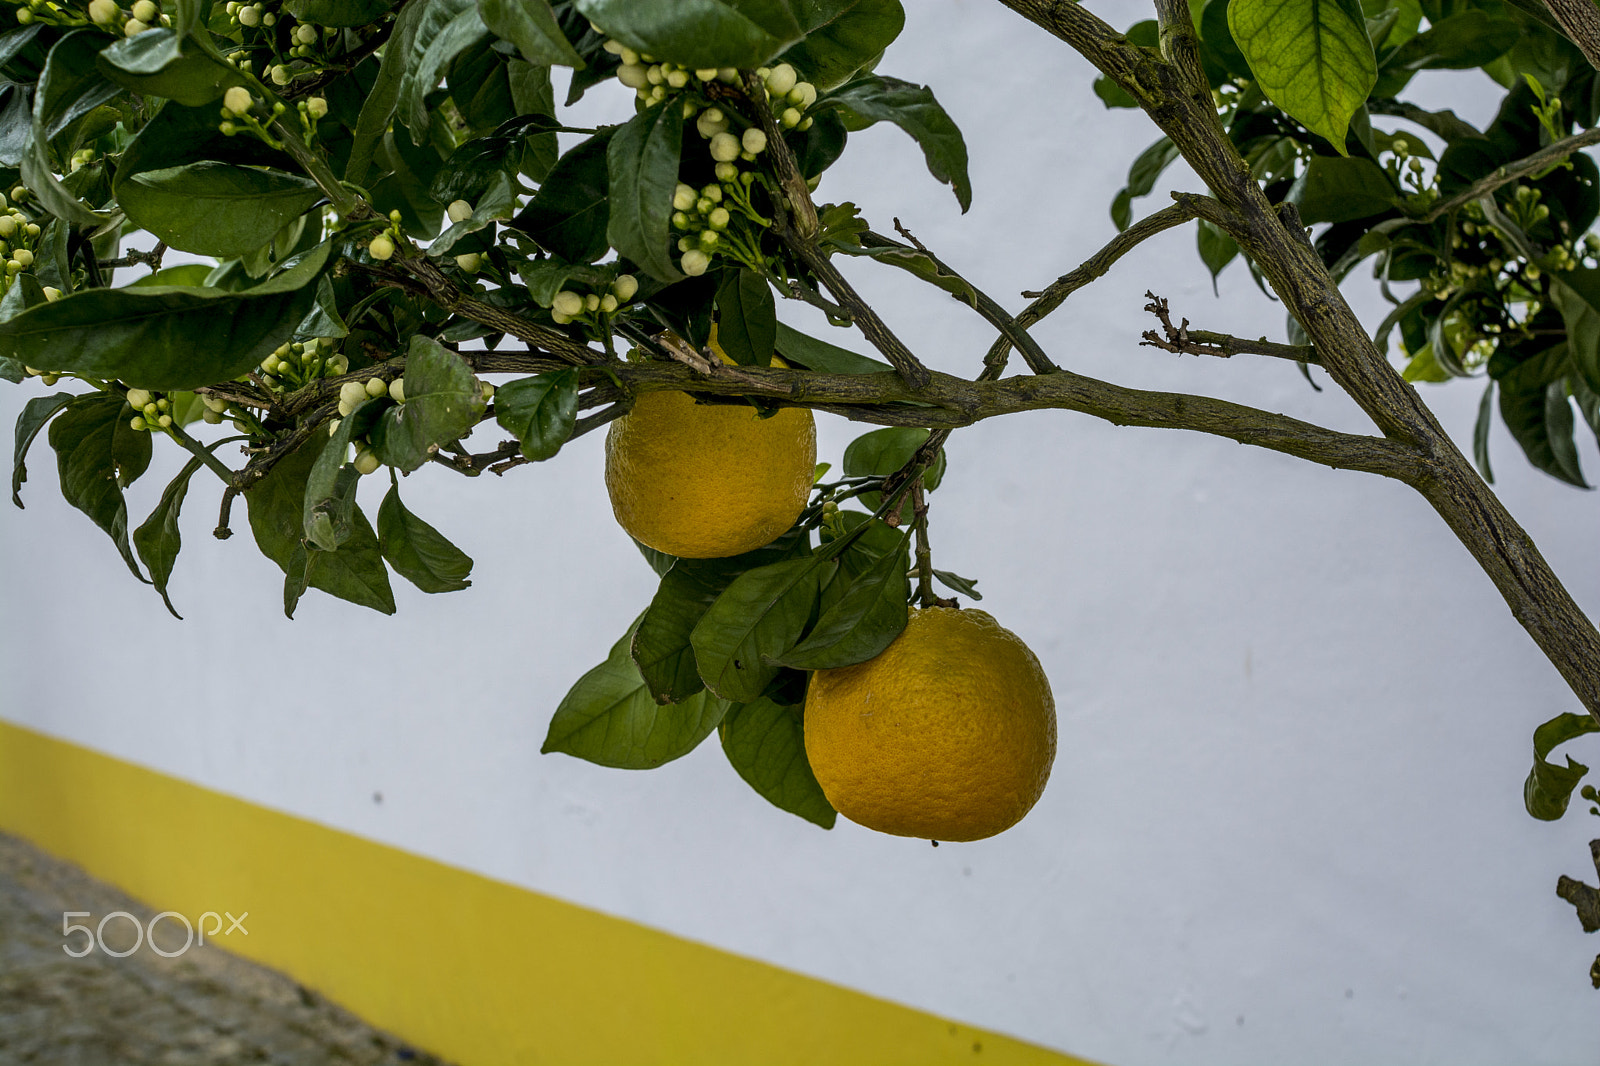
column 1581, row 21
column 1279, row 247
column 1544, row 157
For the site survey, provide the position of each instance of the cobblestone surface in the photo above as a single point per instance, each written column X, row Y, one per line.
column 202, row 1008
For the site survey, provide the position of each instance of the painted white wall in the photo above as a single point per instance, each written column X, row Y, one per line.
column 1285, row 824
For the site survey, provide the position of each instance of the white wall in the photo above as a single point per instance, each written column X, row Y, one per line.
column 1285, row 823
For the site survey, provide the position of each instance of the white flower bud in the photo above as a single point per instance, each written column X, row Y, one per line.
column 625, row 286
column 304, row 34
column 724, row 147
column 376, row 387
column 238, row 99
column 51, row 293
column 352, row 393
column 677, row 79
column 705, row 73
column 718, row 219
column 459, row 211
column 366, row 462
column 711, row 122
column 145, row 11
column 608, row 303
column 754, row 141
column 137, row 398
column 397, row 390
column 695, row 262
column 789, row 119
column 781, row 80
column 381, row 247
column 249, row 16
column 803, row 95
column 633, row 76
column 613, row 46
column 133, row 27
column 726, row 172
column 23, row 256
column 103, row 12
column 316, row 107
column 683, row 197
column 591, row 303
column 567, row 303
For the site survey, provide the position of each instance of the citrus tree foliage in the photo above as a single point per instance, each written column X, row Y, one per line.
column 407, row 264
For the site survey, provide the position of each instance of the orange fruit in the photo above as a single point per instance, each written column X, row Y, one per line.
column 948, row 734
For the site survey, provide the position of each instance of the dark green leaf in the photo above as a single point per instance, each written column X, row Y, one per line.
column 35, row 413
column 70, row 87
column 1340, row 189
column 661, row 647
column 153, row 64
column 84, row 437
column 660, row 562
column 747, row 319
column 379, row 106
column 924, row 266
column 1218, row 39
column 212, row 208
column 1536, row 410
column 329, row 493
column 813, row 354
column 447, row 28
column 1480, row 434
column 532, row 27
column 418, row 552
column 1576, row 294
column 757, row 619
column 570, row 212
column 355, row 572
column 495, row 204
column 1462, row 41
column 964, row 585
column 883, row 451
column 337, row 12
column 1549, row 786
column 1217, row 249
column 609, row 718
column 1142, row 177
column 871, row 99
column 863, row 621
column 698, row 33
column 539, row 411
column 642, row 160
column 765, row 743
column 443, row 403
column 158, row 539
column 1311, row 57
column 165, row 337
column 1113, row 95
column 842, row 36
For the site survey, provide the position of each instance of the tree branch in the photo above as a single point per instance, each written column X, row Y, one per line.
column 1185, row 341
column 1581, row 21
column 1549, row 154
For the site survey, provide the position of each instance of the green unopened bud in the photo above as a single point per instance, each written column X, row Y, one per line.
column 591, row 303
column 145, row 11
column 238, row 100
column 568, row 303
column 133, row 27
column 23, row 256
column 211, row 417
column 469, row 262
column 608, row 303
column 248, row 16
column 625, row 286
column 165, row 421
column 754, row 141
column 789, row 119
column 459, row 211
column 719, row 218
column 633, row 76
column 782, row 79
column 137, row 425
column 316, row 107
column 377, row 387
column 726, row 171
column 280, row 75
column 397, row 390
column 724, row 147
column 695, row 262
column 137, row 398
column 352, row 393
column 103, row 12
column 381, row 247
column 683, row 197
column 366, row 462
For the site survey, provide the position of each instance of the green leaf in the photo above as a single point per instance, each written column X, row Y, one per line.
column 806, row 351
column 642, row 160
column 1213, row 27
column 1480, row 434
column 571, row 211
column 1311, row 57
column 447, row 28
column 337, row 12
column 35, row 413
column 85, row 439
column 212, row 208
column 158, row 540
column 924, row 266
column 355, row 572
column 532, row 27
column 883, row 451
column 765, row 743
column 1217, row 249
column 871, row 99
column 1424, row 366
column 418, row 552
column 842, row 36
column 69, row 88
column 329, row 497
column 966, row 586
column 609, row 718
column 747, row 318
column 539, row 411
column 1576, row 294
column 754, row 623
column 165, row 337
column 1462, row 41
column 1142, row 175
column 1549, row 786
column 660, row 562
column 661, row 645
column 1342, row 189
column 443, row 403
column 1535, row 408
column 863, row 621
column 698, row 33
column 153, row 64
column 378, row 109
column 495, row 204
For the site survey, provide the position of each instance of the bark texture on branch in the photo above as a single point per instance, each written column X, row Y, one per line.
column 1280, row 247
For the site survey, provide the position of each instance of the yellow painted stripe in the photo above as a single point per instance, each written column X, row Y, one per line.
column 474, row 970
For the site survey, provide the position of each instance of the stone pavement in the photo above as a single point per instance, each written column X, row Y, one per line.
column 201, row 1008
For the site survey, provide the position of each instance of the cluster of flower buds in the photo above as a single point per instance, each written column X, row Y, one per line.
column 570, row 306
column 239, row 113
column 17, row 233
column 106, row 14
column 353, row 394
column 151, row 410
column 295, row 364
